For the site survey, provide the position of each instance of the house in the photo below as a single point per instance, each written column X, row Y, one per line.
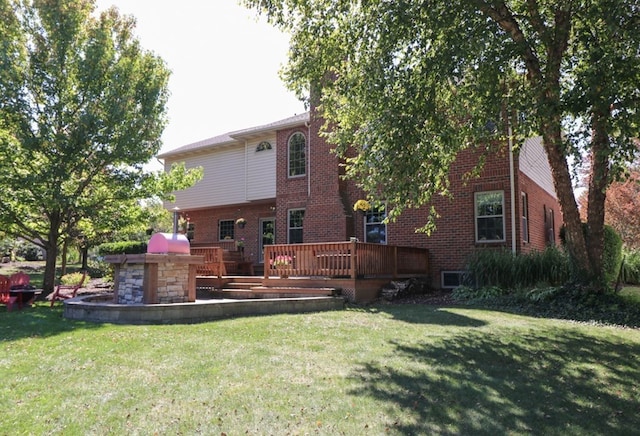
column 282, row 179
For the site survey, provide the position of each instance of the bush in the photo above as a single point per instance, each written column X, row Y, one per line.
column 611, row 256
column 100, row 269
column 123, row 247
column 73, row 278
column 631, row 268
column 29, row 251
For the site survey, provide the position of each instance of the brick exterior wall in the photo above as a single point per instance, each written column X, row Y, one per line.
column 540, row 201
column 328, row 200
column 206, row 224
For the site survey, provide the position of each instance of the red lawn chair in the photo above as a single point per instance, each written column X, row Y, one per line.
column 5, row 293
column 59, row 296
column 20, row 284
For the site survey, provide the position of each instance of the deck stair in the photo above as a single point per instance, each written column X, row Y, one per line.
column 273, row 292
column 243, row 287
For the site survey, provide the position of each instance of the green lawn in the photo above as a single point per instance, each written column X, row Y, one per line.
column 387, row 369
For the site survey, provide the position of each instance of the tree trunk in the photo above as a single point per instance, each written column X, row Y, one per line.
column 574, row 236
column 48, row 281
column 65, row 250
column 84, row 255
column 598, row 183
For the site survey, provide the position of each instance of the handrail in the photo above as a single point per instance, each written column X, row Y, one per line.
column 344, row 259
column 227, row 244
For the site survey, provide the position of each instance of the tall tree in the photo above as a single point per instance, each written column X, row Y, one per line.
column 82, row 108
column 408, row 84
column 622, row 208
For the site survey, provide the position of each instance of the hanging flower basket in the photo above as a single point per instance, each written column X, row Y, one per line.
column 241, row 222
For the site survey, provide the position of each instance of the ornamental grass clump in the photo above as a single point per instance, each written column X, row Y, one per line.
column 501, row 268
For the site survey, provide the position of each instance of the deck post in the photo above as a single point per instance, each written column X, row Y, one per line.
column 395, row 262
column 354, row 259
column 266, row 257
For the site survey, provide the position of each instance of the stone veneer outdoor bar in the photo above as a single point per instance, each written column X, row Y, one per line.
column 154, row 278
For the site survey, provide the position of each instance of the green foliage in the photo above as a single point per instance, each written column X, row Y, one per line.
column 6, row 247
column 97, row 268
column 123, row 247
column 505, row 270
column 73, row 278
column 82, row 109
column 612, row 255
column 482, row 293
column 631, row 268
column 29, row 251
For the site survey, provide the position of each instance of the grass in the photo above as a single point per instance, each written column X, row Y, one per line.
column 385, row 369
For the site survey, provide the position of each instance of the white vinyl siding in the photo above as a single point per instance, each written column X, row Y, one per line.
column 535, row 165
column 231, row 175
column 261, row 171
column 223, row 180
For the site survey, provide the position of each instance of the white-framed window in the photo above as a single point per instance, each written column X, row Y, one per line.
column 375, row 230
column 489, row 216
column 225, row 229
column 295, row 221
column 525, row 216
column 297, row 155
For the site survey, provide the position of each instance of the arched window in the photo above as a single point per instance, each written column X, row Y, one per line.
column 297, row 155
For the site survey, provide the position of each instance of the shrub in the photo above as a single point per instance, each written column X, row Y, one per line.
column 29, row 251
column 123, row 247
column 631, row 268
column 611, row 256
column 73, row 278
column 99, row 269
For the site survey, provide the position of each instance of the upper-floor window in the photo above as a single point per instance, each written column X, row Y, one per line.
column 295, row 225
column 225, row 229
column 489, row 211
column 375, row 230
column 297, row 155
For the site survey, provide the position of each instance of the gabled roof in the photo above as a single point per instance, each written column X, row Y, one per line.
column 238, row 135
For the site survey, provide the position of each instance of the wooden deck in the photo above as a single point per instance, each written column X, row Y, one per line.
column 357, row 270
column 345, row 259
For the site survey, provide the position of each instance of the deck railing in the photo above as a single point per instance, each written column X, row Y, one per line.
column 344, row 259
column 227, row 244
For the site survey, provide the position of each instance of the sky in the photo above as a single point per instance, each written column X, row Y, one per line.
column 224, row 61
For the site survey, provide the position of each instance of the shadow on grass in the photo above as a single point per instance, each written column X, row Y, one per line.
column 39, row 321
column 422, row 314
column 554, row 382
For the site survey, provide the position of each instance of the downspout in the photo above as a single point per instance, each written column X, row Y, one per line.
column 246, row 170
column 308, row 126
column 513, row 193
